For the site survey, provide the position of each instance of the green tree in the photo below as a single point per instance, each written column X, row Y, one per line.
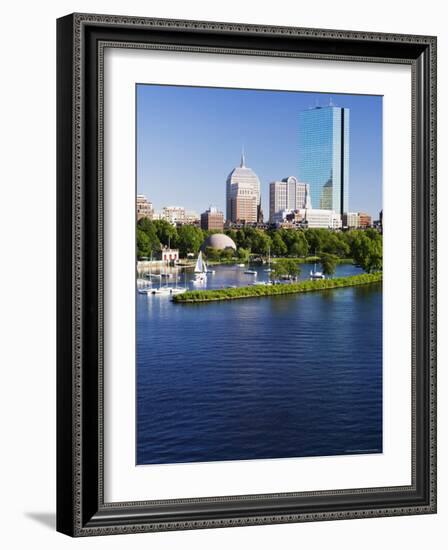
column 278, row 246
column 335, row 243
column 243, row 255
column 261, row 242
column 285, row 267
column 246, row 238
column 149, row 229
column 213, row 254
column 298, row 245
column 295, row 241
column 239, row 238
column 328, row 262
column 316, row 239
column 143, row 244
column 228, row 253
column 233, row 234
column 166, row 232
column 367, row 250
column 189, row 239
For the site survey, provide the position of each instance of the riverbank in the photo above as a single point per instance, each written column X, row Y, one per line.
column 255, row 291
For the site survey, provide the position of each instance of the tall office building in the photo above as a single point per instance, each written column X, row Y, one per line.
column 242, row 194
column 324, row 156
column 288, row 194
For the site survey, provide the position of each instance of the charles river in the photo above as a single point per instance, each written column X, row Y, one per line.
column 271, row 377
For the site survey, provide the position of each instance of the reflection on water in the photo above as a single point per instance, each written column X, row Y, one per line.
column 283, row 376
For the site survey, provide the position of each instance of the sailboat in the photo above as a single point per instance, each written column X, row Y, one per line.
column 314, row 274
column 146, row 287
column 200, row 271
column 162, row 290
column 268, row 270
column 250, row 271
column 179, row 289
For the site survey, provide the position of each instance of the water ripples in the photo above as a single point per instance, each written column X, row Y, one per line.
column 283, row 376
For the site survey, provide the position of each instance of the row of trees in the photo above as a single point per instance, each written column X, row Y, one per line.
column 365, row 247
column 287, row 267
column 152, row 234
column 294, row 242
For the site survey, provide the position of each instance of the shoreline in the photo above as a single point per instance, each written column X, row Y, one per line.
column 258, row 291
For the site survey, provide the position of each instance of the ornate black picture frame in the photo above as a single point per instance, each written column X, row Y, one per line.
column 81, row 509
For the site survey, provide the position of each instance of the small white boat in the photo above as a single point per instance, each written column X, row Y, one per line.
column 145, row 290
column 178, row 290
column 250, row 272
column 240, row 265
column 200, row 271
column 314, row 274
column 161, row 291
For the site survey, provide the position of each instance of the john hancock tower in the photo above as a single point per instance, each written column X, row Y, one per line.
column 324, row 156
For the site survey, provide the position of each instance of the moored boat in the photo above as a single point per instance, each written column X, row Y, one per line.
column 314, row 274
column 178, row 290
column 200, row 271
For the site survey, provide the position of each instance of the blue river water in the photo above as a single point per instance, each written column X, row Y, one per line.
column 273, row 377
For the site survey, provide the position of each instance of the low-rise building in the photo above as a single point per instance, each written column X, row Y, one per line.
column 192, row 218
column 350, row 220
column 315, row 218
column 308, row 217
column 364, row 220
column 170, row 255
column 144, row 208
column 287, row 216
column 212, row 219
column 174, row 214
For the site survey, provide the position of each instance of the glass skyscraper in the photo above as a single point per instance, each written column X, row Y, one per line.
column 324, row 156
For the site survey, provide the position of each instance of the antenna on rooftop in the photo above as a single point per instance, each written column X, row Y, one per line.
column 243, row 158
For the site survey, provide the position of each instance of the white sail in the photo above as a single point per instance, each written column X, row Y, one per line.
column 200, row 265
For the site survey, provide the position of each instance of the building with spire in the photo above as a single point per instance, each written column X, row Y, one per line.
column 243, row 201
column 324, row 156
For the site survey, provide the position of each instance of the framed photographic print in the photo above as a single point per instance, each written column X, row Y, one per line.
column 242, row 337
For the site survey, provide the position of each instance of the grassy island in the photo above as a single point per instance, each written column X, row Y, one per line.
column 254, row 291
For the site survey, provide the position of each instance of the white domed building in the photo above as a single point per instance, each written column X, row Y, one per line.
column 243, row 201
column 218, row 241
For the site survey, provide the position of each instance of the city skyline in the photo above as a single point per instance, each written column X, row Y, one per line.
column 189, row 139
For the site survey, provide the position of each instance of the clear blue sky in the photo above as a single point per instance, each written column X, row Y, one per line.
column 189, row 139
